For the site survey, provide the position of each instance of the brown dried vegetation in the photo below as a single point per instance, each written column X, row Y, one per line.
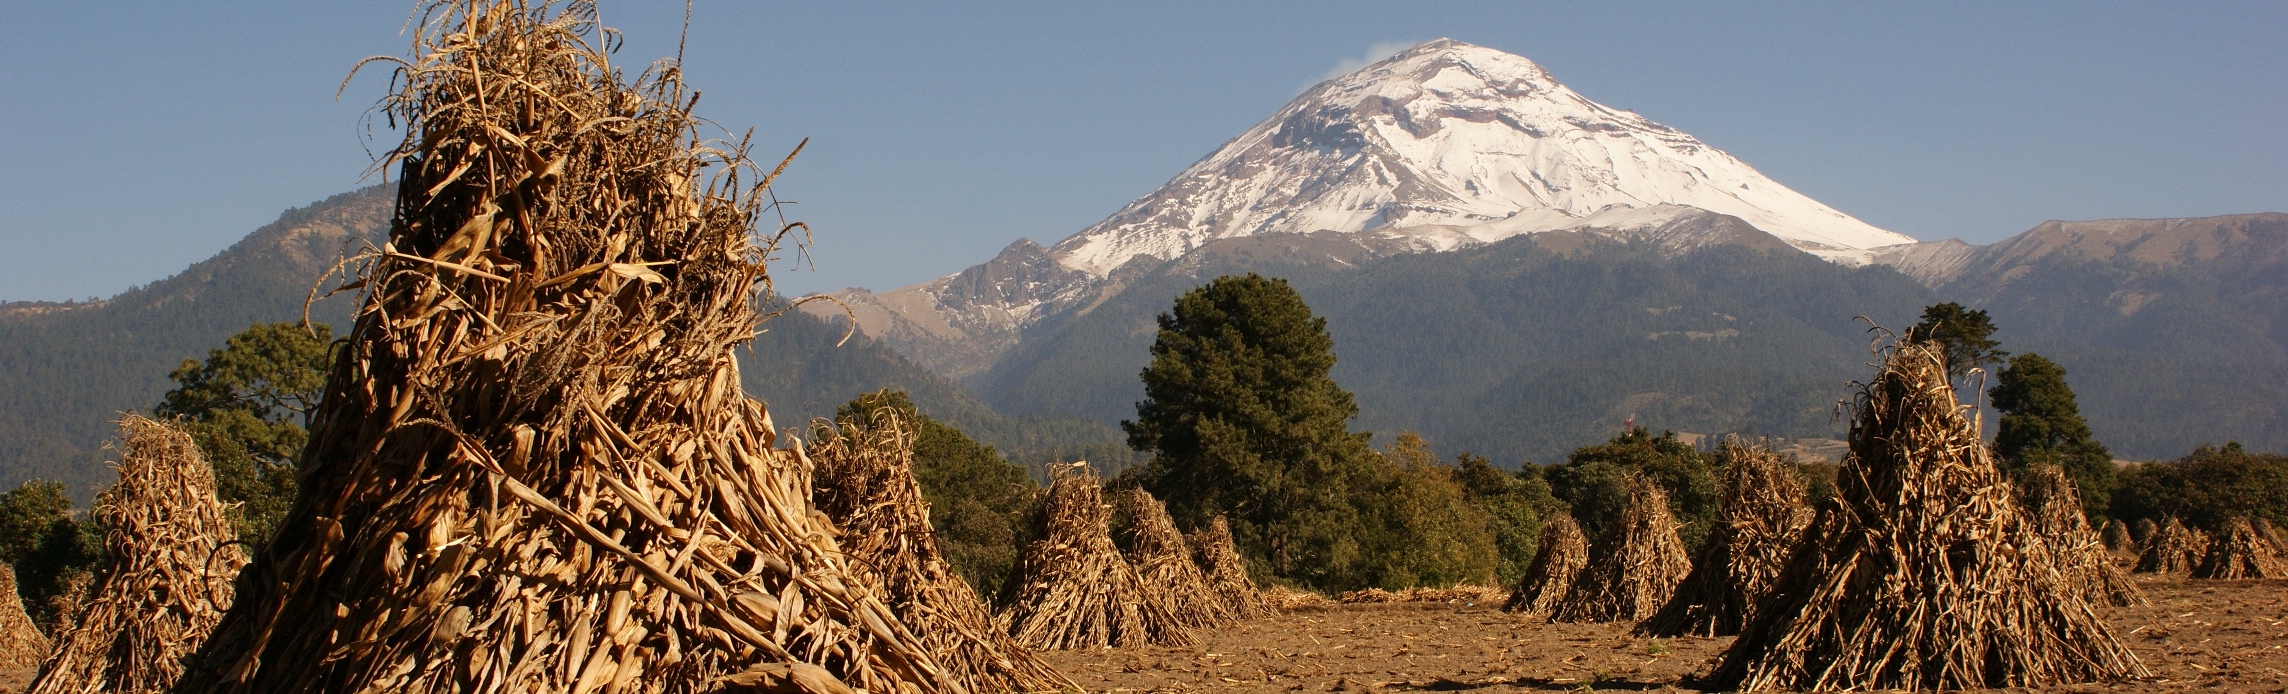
column 533, row 468
column 1227, row 571
column 2173, row 549
column 865, row 481
column 1762, row 515
column 1635, row 568
column 2054, row 503
column 2243, row 551
column 1072, row 589
column 1559, row 559
column 1922, row 572
column 165, row 577
column 22, row 646
column 1164, row 562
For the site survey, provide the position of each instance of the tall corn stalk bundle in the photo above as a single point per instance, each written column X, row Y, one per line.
column 2265, row 530
column 1071, row 589
column 533, row 468
column 2242, row 552
column 22, row 646
column 1158, row 552
column 1923, row 572
column 165, row 578
column 2174, row 549
column 865, row 481
column 1549, row 577
column 1636, row 566
column 2117, row 540
column 2054, row 502
column 1757, row 524
column 1226, row 571
column 2143, row 532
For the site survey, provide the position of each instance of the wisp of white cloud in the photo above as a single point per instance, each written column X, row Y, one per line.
column 1374, row 54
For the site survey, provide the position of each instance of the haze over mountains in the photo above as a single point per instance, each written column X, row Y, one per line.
column 1506, row 266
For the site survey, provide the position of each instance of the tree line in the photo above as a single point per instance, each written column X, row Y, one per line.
column 1241, row 419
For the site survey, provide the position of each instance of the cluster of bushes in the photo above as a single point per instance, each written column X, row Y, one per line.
column 2206, row 488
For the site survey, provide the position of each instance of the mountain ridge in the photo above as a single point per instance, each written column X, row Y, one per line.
column 1440, row 146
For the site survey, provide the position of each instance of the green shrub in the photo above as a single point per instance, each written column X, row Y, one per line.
column 2206, row 488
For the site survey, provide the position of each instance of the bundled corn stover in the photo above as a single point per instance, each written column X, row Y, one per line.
column 1635, row 568
column 2243, row 550
column 865, row 482
column 1227, row 571
column 1756, row 526
column 2055, row 504
column 1549, row 577
column 1071, row 588
column 2173, row 549
column 532, row 468
column 1158, row 552
column 165, row 576
column 22, row 646
column 1923, row 572
column 2117, row 540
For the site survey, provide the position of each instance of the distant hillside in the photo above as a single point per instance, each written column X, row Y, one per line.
column 1522, row 349
column 67, row 370
column 2174, row 332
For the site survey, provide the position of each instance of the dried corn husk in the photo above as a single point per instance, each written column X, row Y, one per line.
column 2173, row 549
column 1635, row 568
column 22, row 645
column 2054, row 503
column 1071, row 588
column 1227, row 571
column 1757, row 525
column 165, row 577
column 2243, row 551
column 865, row 482
column 1923, row 572
column 1549, row 578
column 1157, row 551
column 532, row 468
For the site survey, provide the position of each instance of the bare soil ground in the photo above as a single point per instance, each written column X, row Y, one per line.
column 2208, row 635
column 2204, row 635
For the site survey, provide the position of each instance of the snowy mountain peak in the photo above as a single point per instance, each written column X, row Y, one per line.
column 1451, row 134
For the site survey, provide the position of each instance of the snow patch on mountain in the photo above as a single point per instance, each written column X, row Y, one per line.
column 1453, row 135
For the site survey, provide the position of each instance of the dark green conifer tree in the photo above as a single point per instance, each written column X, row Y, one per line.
column 2041, row 425
column 1966, row 335
column 1242, row 418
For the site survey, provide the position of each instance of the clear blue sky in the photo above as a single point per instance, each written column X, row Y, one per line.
column 138, row 137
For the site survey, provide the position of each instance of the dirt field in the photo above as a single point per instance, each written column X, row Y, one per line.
column 2206, row 635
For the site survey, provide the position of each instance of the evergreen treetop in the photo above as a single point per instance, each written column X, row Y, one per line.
column 1243, row 418
column 2041, row 425
column 1966, row 336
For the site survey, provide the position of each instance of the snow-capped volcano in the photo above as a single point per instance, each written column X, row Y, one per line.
column 1456, row 135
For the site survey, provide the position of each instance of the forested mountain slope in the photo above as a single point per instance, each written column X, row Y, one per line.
column 1521, row 349
column 67, row 370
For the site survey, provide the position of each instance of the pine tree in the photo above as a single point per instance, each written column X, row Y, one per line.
column 2041, row 425
column 1966, row 335
column 1242, row 418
